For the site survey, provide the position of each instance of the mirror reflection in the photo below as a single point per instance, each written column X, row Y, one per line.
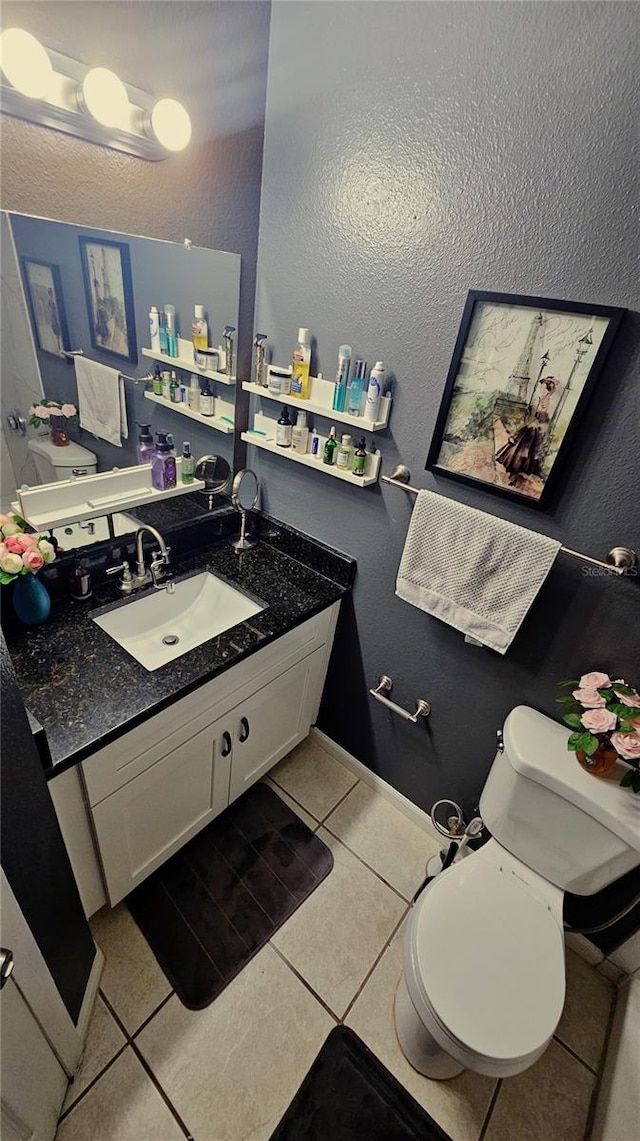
column 72, row 291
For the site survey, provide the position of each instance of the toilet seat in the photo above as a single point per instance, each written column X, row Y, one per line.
column 484, row 964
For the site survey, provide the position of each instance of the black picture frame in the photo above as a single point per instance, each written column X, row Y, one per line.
column 506, row 419
column 43, row 290
column 106, row 272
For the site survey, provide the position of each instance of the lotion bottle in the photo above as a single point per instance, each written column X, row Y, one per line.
column 374, row 391
column 199, row 330
column 193, row 394
column 300, row 434
column 356, row 389
column 342, row 378
column 188, row 463
column 206, row 399
column 154, row 329
column 343, row 455
column 301, row 362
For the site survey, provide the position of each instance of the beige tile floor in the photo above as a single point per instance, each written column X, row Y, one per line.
column 154, row 1071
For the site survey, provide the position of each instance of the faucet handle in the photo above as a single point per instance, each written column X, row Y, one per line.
column 127, row 578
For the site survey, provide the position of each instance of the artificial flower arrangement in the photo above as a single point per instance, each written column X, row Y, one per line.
column 21, row 552
column 605, row 714
column 41, row 413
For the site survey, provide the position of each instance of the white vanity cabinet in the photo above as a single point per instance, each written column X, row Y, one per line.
column 154, row 788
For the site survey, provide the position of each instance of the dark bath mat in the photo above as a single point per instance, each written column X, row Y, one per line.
column 212, row 906
column 348, row 1095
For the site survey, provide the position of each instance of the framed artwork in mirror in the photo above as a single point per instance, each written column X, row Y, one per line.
column 106, row 271
column 522, row 371
column 46, row 305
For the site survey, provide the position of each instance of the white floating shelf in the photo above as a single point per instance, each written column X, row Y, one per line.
column 185, row 361
column 183, row 410
column 315, row 462
column 323, row 391
column 71, row 500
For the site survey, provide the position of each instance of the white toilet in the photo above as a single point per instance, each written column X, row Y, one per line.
column 55, row 463
column 484, row 978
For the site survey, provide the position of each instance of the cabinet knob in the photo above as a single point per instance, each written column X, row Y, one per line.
column 226, row 744
column 242, row 736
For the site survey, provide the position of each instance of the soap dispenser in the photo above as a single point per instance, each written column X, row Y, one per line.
column 145, row 448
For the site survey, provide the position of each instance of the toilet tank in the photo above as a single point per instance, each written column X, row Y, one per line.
column 55, row 463
column 578, row 831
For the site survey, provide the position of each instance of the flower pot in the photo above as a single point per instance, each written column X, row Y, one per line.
column 58, row 431
column 603, row 760
column 31, row 600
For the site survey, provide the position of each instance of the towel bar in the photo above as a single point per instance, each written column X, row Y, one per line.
column 136, row 379
column 620, row 560
column 423, row 709
column 71, row 353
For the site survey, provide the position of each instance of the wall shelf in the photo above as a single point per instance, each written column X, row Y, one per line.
column 184, row 360
column 315, row 462
column 207, row 421
column 322, row 391
column 69, row 501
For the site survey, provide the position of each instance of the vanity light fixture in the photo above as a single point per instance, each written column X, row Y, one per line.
column 46, row 87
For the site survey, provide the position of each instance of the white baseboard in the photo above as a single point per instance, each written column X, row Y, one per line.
column 385, row 790
column 618, row 1100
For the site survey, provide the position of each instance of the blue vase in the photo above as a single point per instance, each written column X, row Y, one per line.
column 31, row 600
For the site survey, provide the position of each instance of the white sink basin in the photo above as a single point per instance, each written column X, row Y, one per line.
column 199, row 608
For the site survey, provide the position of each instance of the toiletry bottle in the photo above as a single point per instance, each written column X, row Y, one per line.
column 206, row 399
column 157, row 381
column 258, row 359
column 315, row 442
column 374, row 391
column 343, row 455
column 284, row 429
column 188, row 463
column 162, row 331
column 342, row 377
column 172, row 446
column 154, row 329
column 301, row 362
column 172, row 340
column 166, row 384
column 356, row 388
column 163, row 467
column 145, row 448
column 229, row 354
column 193, row 394
column 359, row 458
column 300, row 434
column 330, row 447
column 199, row 332
column 174, row 389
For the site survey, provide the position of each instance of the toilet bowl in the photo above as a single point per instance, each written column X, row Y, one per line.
column 483, row 981
column 54, row 463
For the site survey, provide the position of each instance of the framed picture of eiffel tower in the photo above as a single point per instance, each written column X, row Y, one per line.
column 522, row 371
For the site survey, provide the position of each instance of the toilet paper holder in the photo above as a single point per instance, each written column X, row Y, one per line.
column 385, row 685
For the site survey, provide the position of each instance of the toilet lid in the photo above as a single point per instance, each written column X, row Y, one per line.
column 489, row 960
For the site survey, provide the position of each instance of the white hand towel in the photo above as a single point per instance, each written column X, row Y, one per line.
column 472, row 570
column 101, row 401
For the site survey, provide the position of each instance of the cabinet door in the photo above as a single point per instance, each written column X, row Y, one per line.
column 269, row 724
column 147, row 820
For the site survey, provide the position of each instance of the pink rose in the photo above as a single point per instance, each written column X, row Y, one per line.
column 13, row 543
column 595, row 681
column 589, row 698
column 68, row 410
column 627, row 745
column 599, row 720
column 629, row 699
column 33, row 560
column 41, row 412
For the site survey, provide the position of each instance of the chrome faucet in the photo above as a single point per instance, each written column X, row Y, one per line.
column 159, row 560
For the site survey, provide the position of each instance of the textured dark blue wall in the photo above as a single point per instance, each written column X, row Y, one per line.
column 414, row 151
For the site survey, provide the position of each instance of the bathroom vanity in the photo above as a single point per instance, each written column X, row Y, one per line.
column 139, row 761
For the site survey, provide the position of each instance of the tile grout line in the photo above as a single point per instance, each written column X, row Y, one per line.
column 490, row 1109
column 369, row 973
column 165, row 1097
column 304, row 982
column 576, row 1057
column 308, row 810
column 378, row 875
column 65, row 1113
column 600, row 1074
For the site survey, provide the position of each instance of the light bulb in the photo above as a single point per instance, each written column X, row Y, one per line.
column 171, row 124
column 105, row 97
column 25, row 63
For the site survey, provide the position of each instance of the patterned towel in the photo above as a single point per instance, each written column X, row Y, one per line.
column 472, row 570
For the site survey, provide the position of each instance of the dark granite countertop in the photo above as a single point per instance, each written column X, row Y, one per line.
column 85, row 690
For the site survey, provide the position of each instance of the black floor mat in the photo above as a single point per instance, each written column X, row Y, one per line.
column 212, row 906
column 348, row 1095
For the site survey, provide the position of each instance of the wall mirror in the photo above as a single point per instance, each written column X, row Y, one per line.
column 67, row 288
